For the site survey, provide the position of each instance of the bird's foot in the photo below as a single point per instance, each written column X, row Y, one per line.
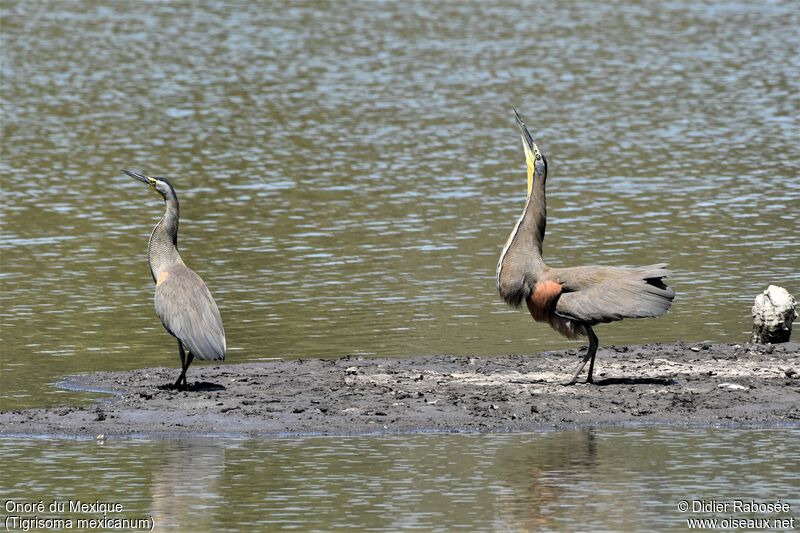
column 573, row 381
column 589, row 380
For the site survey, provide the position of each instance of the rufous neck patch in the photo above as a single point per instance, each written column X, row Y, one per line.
column 162, row 277
column 541, row 300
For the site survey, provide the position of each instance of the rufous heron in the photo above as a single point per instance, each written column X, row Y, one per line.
column 571, row 300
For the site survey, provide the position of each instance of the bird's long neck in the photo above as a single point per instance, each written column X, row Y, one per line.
column 525, row 243
column 534, row 217
column 521, row 261
column 162, row 250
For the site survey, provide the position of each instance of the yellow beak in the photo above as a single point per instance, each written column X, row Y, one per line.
column 532, row 153
column 530, row 159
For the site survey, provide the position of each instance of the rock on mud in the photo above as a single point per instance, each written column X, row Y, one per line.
column 773, row 314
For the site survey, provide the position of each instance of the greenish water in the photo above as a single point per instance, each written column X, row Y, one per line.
column 598, row 480
column 348, row 173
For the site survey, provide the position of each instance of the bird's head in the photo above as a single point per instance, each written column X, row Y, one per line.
column 161, row 185
column 537, row 163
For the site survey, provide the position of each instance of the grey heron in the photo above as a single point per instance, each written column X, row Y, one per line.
column 182, row 300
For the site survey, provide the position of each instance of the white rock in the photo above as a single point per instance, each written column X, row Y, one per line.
column 732, row 386
column 773, row 314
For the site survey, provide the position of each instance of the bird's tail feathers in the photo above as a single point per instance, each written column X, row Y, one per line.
column 653, row 298
column 659, row 270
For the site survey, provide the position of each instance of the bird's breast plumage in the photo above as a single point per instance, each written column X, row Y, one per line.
column 542, row 300
column 188, row 311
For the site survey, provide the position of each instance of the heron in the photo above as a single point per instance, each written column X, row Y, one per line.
column 571, row 300
column 182, row 300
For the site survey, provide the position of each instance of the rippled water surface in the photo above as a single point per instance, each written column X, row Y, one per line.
column 598, row 480
column 349, row 172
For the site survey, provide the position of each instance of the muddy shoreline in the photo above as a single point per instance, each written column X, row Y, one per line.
column 679, row 384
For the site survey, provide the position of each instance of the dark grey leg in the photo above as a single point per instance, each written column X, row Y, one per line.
column 184, row 366
column 578, row 370
column 593, row 350
column 590, row 353
column 188, row 362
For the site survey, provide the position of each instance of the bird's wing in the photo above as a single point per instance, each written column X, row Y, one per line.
column 188, row 311
column 605, row 294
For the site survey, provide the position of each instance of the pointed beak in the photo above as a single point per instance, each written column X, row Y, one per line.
column 532, row 153
column 139, row 177
column 527, row 138
column 531, row 150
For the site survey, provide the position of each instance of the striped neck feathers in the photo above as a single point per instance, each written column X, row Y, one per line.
column 162, row 250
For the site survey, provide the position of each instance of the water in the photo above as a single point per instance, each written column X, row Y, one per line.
column 348, row 174
column 606, row 480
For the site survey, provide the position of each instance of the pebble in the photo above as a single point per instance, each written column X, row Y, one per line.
column 732, row 386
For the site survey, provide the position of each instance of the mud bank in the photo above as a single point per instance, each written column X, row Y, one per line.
column 657, row 384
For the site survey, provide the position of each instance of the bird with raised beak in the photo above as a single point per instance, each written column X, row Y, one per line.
column 572, row 300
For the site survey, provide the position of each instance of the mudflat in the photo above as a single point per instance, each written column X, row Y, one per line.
column 680, row 384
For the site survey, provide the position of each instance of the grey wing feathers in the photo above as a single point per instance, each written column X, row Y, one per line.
column 616, row 294
column 188, row 311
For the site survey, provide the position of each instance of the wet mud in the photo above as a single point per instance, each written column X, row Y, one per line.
column 677, row 384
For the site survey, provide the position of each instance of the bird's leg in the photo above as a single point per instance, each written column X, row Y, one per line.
column 592, row 351
column 578, row 370
column 188, row 362
column 184, row 366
